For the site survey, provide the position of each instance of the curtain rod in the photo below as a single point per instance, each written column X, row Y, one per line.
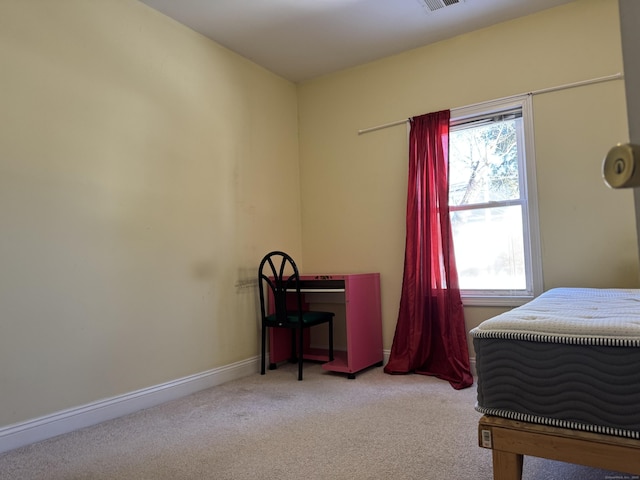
column 606, row 78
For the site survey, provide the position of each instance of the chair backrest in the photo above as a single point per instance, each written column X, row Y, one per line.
column 278, row 274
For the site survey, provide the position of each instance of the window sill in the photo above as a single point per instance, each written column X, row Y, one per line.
column 489, row 301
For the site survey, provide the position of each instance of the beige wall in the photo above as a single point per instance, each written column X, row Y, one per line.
column 137, row 169
column 354, row 186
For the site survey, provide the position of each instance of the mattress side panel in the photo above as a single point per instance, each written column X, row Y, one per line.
column 581, row 386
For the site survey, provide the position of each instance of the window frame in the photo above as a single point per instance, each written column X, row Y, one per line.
column 528, row 200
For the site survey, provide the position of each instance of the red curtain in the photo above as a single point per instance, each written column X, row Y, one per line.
column 430, row 336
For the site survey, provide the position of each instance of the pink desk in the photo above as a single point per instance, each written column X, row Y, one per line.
column 361, row 295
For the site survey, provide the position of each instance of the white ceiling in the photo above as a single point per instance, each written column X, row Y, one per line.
column 302, row 39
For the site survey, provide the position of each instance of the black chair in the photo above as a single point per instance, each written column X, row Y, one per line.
column 278, row 278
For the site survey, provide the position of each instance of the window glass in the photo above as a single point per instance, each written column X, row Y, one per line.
column 497, row 233
column 486, row 164
column 492, row 203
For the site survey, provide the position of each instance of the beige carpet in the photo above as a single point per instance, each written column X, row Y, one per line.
column 273, row 427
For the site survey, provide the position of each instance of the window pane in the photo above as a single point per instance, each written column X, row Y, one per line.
column 484, row 163
column 489, row 248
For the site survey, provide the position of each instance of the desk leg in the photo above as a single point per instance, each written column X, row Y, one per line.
column 507, row 465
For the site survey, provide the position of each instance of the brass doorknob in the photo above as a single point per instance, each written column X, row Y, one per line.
column 621, row 166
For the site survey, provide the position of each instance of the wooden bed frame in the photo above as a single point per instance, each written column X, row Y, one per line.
column 510, row 440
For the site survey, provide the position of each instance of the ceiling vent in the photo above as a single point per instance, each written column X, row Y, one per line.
column 433, row 5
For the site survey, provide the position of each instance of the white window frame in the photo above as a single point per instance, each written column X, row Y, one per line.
column 528, row 191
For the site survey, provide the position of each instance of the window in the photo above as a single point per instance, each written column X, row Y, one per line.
column 492, row 203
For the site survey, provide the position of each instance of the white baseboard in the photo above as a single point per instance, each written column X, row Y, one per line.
column 385, row 356
column 65, row 421
column 42, row 428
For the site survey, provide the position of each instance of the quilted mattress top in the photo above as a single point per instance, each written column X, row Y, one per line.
column 571, row 315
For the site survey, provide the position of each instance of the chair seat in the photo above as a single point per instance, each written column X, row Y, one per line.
column 308, row 318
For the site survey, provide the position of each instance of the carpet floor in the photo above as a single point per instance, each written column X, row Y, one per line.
column 273, row 427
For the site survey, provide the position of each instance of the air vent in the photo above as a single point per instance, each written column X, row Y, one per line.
column 433, row 5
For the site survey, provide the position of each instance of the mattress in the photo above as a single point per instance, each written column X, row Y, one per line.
column 569, row 358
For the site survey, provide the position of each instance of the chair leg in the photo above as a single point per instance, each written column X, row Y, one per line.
column 264, row 348
column 330, row 340
column 294, row 339
column 300, row 353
